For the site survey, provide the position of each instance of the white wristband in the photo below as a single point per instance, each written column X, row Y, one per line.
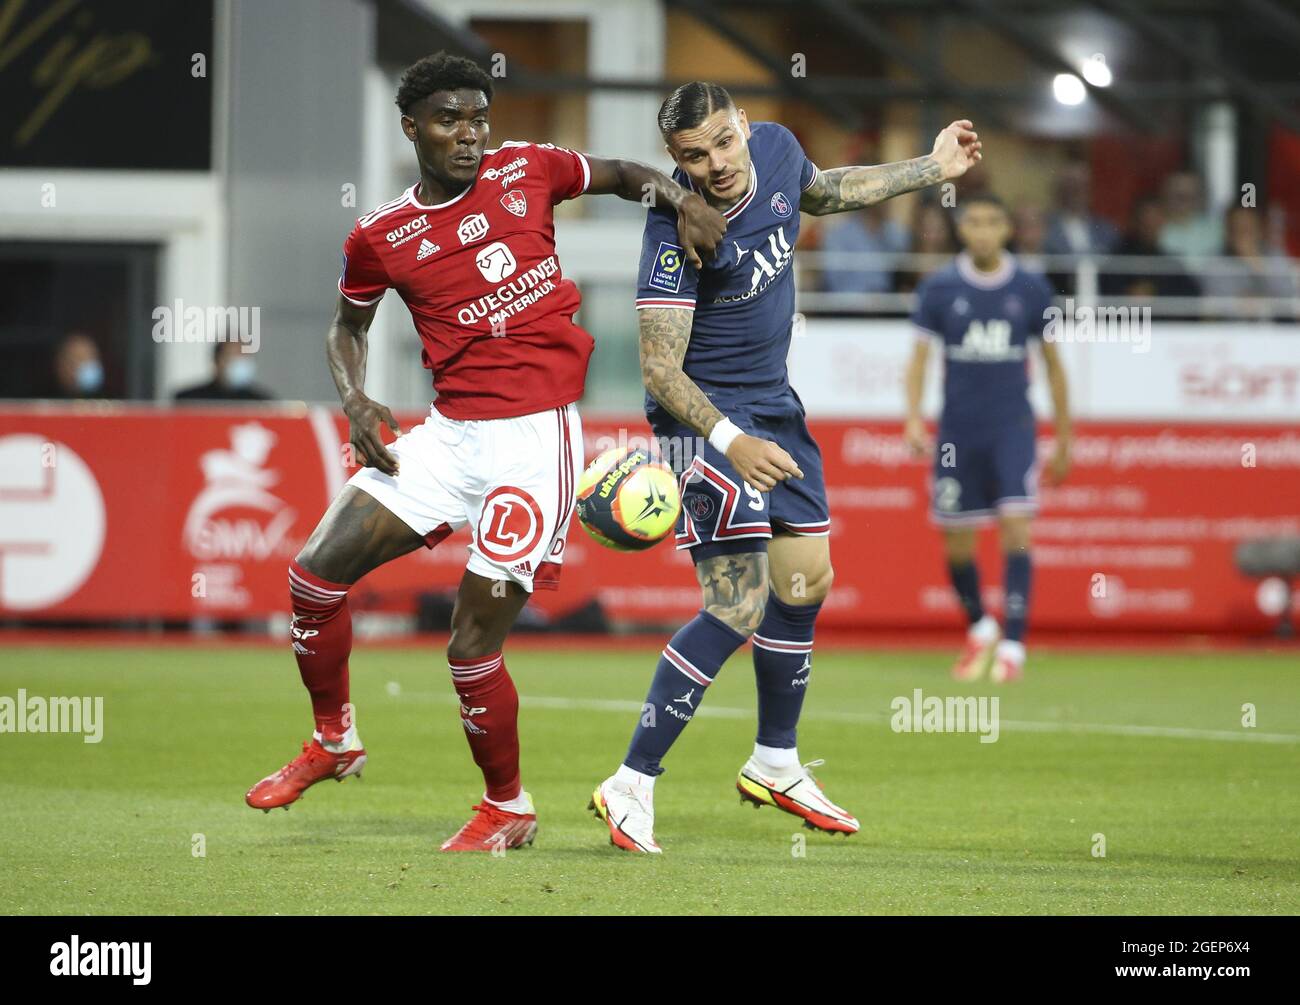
column 723, row 434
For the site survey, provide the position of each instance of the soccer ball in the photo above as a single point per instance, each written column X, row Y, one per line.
column 627, row 500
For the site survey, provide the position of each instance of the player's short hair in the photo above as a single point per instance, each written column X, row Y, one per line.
column 442, row 71
column 981, row 199
column 690, row 105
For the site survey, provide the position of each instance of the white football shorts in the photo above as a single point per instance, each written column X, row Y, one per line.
column 512, row 480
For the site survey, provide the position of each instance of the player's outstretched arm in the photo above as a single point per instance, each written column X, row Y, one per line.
column 665, row 333
column 837, row 190
column 699, row 226
column 1060, row 464
column 914, row 432
column 345, row 346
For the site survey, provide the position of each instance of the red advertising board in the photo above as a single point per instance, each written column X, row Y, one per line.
column 131, row 512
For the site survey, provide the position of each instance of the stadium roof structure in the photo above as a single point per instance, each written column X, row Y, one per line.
column 1192, row 53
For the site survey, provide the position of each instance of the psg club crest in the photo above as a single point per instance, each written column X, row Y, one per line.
column 700, row 506
column 515, row 202
column 780, row 205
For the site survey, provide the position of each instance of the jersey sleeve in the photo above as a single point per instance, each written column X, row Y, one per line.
column 364, row 279
column 927, row 314
column 664, row 277
column 808, row 171
column 567, row 171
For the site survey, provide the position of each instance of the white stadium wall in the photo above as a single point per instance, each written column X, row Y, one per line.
column 1189, row 372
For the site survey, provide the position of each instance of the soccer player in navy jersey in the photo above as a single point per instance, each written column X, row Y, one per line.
column 714, row 339
column 982, row 311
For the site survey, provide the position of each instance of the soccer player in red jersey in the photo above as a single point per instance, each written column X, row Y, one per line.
column 470, row 248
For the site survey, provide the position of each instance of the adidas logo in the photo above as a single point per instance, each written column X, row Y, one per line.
column 522, row 569
column 426, row 249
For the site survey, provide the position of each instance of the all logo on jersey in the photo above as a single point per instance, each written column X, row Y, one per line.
column 781, row 205
column 666, row 271
column 427, row 248
column 510, row 525
column 769, row 262
column 495, row 262
column 987, row 341
column 515, row 202
column 472, row 228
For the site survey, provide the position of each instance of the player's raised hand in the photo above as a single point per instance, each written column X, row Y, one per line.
column 364, row 419
column 917, row 437
column 699, row 227
column 957, row 148
column 760, row 462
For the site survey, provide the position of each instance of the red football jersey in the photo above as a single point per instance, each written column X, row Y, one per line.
column 482, row 281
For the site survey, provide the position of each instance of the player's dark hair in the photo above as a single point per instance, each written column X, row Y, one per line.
column 440, row 72
column 690, row 105
column 981, row 198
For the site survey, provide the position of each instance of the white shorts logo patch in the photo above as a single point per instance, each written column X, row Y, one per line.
column 510, row 525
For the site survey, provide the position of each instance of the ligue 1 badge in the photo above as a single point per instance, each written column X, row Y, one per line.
column 780, row 205
column 515, row 202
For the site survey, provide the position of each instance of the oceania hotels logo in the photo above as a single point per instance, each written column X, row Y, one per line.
column 408, row 231
column 511, row 172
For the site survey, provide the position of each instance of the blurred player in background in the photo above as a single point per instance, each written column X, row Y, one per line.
column 470, row 248
column 982, row 311
column 714, row 341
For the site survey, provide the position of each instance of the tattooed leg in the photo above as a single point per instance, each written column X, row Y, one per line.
column 735, row 589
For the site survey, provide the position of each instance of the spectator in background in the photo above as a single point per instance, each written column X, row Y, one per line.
column 932, row 234
column 1255, row 268
column 1030, row 245
column 868, row 231
column 1188, row 229
column 232, row 380
column 1072, row 228
column 1143, row 238
column 78, row 369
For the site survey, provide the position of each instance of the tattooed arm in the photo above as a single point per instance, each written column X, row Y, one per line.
column 838, row 190
column 665, row 333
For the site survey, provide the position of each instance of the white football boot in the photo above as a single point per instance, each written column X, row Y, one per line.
column 797, row 792
column 628, row 809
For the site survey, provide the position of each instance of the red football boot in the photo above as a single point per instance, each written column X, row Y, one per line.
column 494, row 829
column 314, row 764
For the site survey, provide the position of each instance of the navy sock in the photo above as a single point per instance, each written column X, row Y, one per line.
column 686, row 668
column 966, row 581
column 1015, row 584
column 783, row 647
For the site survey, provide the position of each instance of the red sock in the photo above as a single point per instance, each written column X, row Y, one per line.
column 489, row 711
column 322, row 641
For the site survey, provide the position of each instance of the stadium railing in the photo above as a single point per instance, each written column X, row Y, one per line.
column 1081, row 278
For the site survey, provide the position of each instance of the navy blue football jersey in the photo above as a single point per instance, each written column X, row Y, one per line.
column 984, row 322
column 743, row 298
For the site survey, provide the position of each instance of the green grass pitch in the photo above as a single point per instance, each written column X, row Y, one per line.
column 1199, row 813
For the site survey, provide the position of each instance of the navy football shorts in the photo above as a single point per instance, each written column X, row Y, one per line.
column 720, row 513
column 980, row 474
